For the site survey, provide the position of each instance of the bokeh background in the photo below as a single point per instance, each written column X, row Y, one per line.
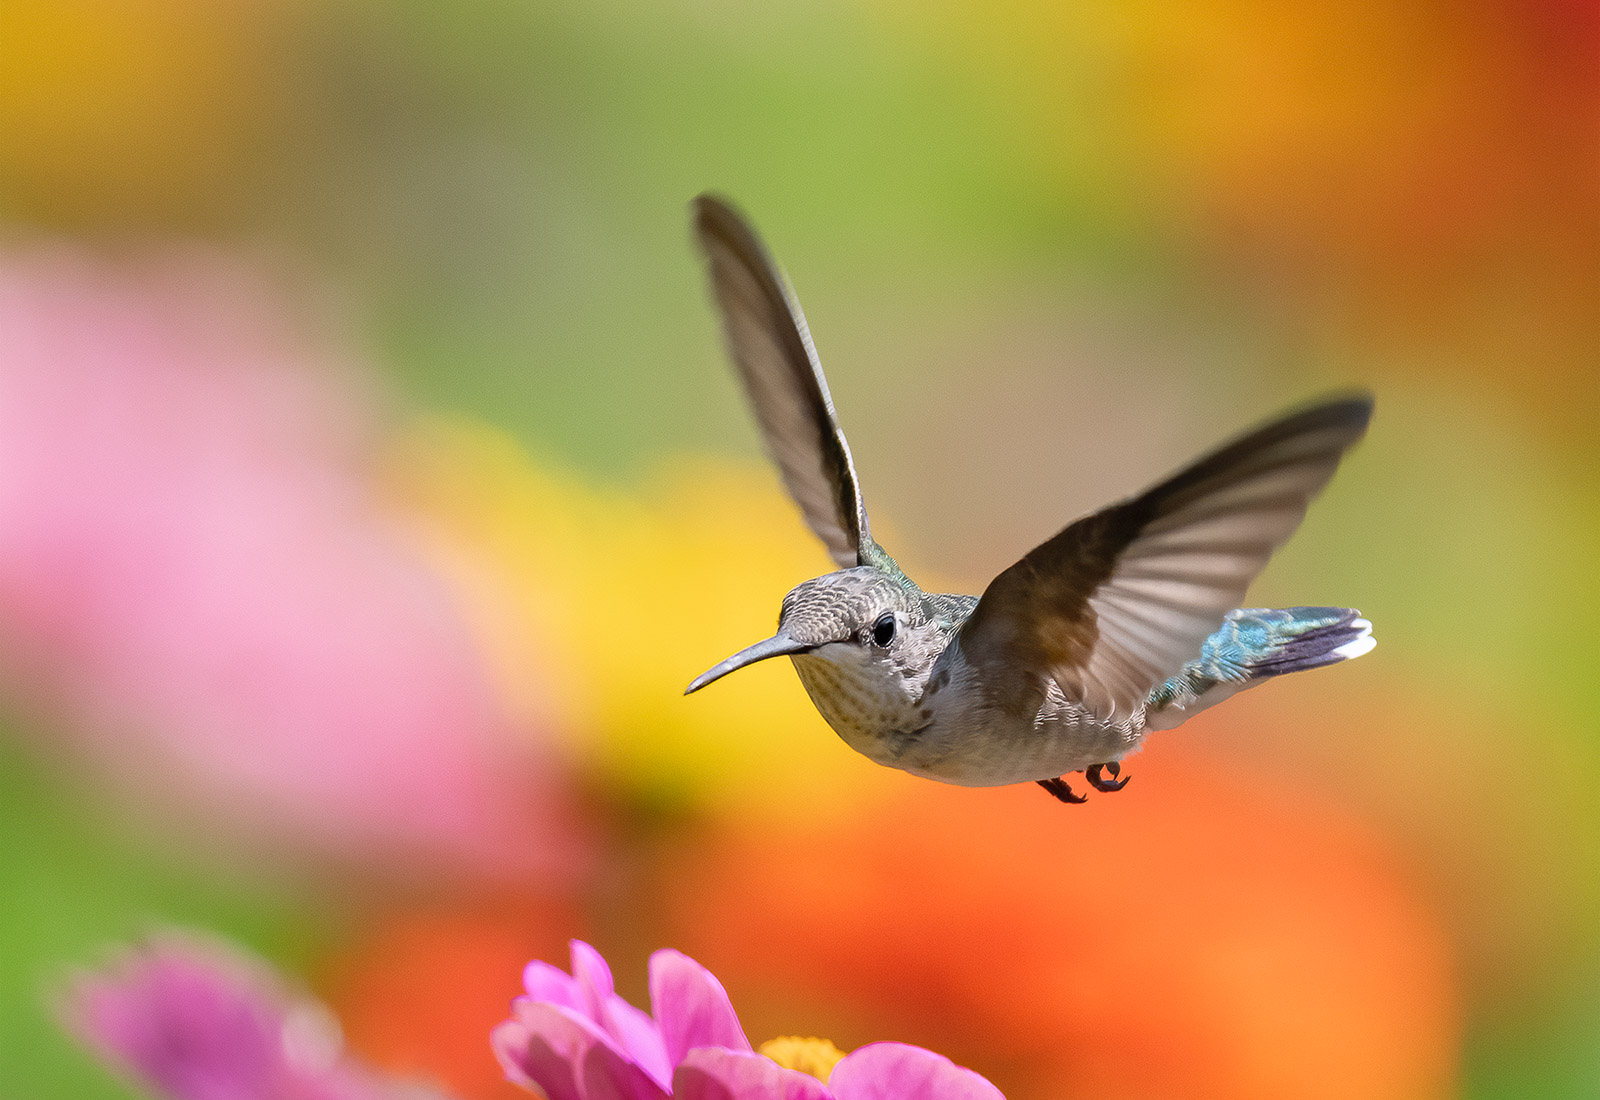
column 372, row 481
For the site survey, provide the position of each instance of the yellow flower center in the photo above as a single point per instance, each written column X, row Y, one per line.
column 814, row 1056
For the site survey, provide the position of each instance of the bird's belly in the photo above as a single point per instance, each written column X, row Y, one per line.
column 956, row 737
column 981, row 746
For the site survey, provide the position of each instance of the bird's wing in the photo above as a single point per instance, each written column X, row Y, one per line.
column 767, row 337
column 1118, row 601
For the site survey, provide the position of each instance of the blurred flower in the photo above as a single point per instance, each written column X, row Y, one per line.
column 622, row 599
column 417, row 994
column 1193, row 936
column 197, row 1021
column 141, row 112
column 198, row 581
column 574, row 1038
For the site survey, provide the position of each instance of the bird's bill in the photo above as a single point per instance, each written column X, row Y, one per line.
column 779, row 645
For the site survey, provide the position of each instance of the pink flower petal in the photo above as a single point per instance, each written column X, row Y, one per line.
column 632, row 1031
column 545, row 1045
column 896, row 1071
column 639, row 1038
column 691, row 1007
column 554, row 1047
column 593, row 976
column 609, row 1076
column 708, row 1073
column 530, row 1059
column 551, row 984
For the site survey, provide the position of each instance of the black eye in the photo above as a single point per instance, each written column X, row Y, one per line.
column 883, row 629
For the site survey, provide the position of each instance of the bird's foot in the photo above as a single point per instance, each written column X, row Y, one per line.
column 1059, row 788
column 1100, row 783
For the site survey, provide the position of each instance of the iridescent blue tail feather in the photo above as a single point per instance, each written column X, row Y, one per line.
column 1254, row 645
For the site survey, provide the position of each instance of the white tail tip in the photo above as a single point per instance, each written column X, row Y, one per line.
column 1357, row 646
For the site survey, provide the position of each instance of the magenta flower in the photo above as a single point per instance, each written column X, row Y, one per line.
column 573, row 1038
column 195, row 1021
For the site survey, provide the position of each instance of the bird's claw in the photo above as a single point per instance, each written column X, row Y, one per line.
column 1100, row 783
column 1059, row 789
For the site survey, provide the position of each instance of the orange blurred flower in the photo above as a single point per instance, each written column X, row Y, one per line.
column 1188, row 938
column 420, row 993
column 1411, row 184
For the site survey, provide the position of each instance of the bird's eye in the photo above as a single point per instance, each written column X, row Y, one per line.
column 883, row 629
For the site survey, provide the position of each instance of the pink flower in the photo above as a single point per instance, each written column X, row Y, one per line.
column 197, row 1021
column 573, row 1038
column 201, row 582
column 877, row 1071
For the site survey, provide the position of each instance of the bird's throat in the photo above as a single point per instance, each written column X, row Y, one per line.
column 867, row 705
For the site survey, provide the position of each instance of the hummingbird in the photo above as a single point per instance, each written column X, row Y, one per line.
column 1125, row 622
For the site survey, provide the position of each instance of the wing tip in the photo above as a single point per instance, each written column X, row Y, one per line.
column 1351, row 408
column 709, row 204
column 722, row 231
column 715, row 215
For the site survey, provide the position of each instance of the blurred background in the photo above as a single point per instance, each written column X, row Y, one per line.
column 372, row 481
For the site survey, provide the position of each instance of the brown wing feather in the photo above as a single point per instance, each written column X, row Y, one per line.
column 1120, row 600
column 767, row 337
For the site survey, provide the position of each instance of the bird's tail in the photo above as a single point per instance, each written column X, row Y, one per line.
column 1252, row 646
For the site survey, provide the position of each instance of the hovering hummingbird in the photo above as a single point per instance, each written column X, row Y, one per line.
column 1123, row 623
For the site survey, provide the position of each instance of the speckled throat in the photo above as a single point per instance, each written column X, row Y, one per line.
column 878, row 716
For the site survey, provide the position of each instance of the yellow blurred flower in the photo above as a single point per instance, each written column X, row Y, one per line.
column 607, row 603
column 140, row 111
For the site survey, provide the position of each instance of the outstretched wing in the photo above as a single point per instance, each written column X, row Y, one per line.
column 1116, row 603
column 767, row 337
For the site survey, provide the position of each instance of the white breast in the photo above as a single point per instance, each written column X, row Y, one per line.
column 953, row 733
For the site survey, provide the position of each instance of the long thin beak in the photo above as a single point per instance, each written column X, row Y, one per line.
column 776, row 646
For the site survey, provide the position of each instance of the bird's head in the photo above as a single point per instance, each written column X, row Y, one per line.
column 861, row 620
